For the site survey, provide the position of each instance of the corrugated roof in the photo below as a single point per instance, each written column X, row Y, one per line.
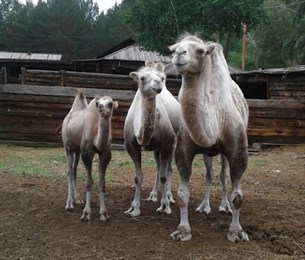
column 5, row 55
column 136, row 53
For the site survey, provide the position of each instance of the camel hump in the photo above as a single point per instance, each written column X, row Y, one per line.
column 80, row 101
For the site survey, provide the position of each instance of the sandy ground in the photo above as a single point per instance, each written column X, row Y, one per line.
column 34, row 224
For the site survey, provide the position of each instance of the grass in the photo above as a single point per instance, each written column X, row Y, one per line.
column 52, row 162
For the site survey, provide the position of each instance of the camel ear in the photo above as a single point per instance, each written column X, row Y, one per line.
column 115, row 104
column 134, row 75
column 173, row 47
column 149, row 63
column 210, row 48
column 160, row 67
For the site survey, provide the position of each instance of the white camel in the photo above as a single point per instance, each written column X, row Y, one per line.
column 152, row 122
column 86, row 130
column 214, row 120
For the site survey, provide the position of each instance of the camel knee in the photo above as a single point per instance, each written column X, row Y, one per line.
column 163, row 180
column 89, row 184
column 237, row 200
column 183, row 197
column 138, row 180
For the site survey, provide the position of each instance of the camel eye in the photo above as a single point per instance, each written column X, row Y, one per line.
column 200, row 51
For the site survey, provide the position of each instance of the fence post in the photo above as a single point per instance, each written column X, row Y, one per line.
column 23, row 76
column 3, row 79
column 62, row 78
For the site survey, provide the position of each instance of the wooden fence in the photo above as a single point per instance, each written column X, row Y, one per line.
column 32, row 114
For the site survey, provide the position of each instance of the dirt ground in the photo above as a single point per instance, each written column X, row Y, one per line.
column 34, row 224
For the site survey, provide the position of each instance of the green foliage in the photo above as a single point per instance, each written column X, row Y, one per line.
column 69, row 27
column 166, row 20
column 76, row 29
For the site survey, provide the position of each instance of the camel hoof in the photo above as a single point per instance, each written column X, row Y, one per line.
column 69, row 205
column 181, row 234
column 204, row 209
column 104, row 217
column 165, row 209
column 132, row 212
column 237, row 236
column 69, row 208
column 85, row 217
column 79, row 201
column 225, row 210
column 152, row 197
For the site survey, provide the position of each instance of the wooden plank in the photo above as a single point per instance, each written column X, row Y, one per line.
column 44, row 121
column 280, row 104
column 64, row 91
column 275, row 140
column 30, row 137
column 276, row 122
column 42, row 72
column 279, row 131
column 35, row 98
column 40, row 129
column 278, row 113
column 33, row 112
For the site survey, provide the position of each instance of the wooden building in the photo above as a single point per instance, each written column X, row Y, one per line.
column 32, row 110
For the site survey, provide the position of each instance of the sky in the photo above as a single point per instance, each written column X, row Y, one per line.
column 104, row 5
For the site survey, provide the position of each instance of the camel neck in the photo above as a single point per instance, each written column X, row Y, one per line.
column 198, row 98
column 147, row 121
column 103, row 133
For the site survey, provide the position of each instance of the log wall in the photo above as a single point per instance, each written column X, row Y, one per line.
column 34, row 113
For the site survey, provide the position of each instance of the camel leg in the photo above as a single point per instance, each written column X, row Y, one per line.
column 238, row 165
column 77, row 197
column 153, row 196
column 70, row 177
column 165, row 159
column 184, row 156
column 87, row 160
column 135, row 154
column 224, row 205
column 169, row 181
column 204, row 206
column 104, row 160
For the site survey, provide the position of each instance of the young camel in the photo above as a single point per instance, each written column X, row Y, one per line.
column 214, row 120
column 86, row 130
column 152, row 122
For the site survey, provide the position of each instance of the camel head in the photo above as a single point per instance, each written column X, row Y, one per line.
column 105, row 105
column 150, row 79
column 190, row 53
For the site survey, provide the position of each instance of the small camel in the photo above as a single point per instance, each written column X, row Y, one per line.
column 151, row 124
column 86, row 130
column 214, row 121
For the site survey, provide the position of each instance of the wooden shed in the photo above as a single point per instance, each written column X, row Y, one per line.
column 276, row 84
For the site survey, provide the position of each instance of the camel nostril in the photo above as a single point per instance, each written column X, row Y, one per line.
column 158, row 90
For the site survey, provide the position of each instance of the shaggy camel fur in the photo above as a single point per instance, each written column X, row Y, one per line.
column 152, row 122
column 214, row 120
column 87, row 130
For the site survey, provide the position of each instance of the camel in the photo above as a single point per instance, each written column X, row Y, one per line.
column 86, row 130
column 152, row 122
column 214, row 121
